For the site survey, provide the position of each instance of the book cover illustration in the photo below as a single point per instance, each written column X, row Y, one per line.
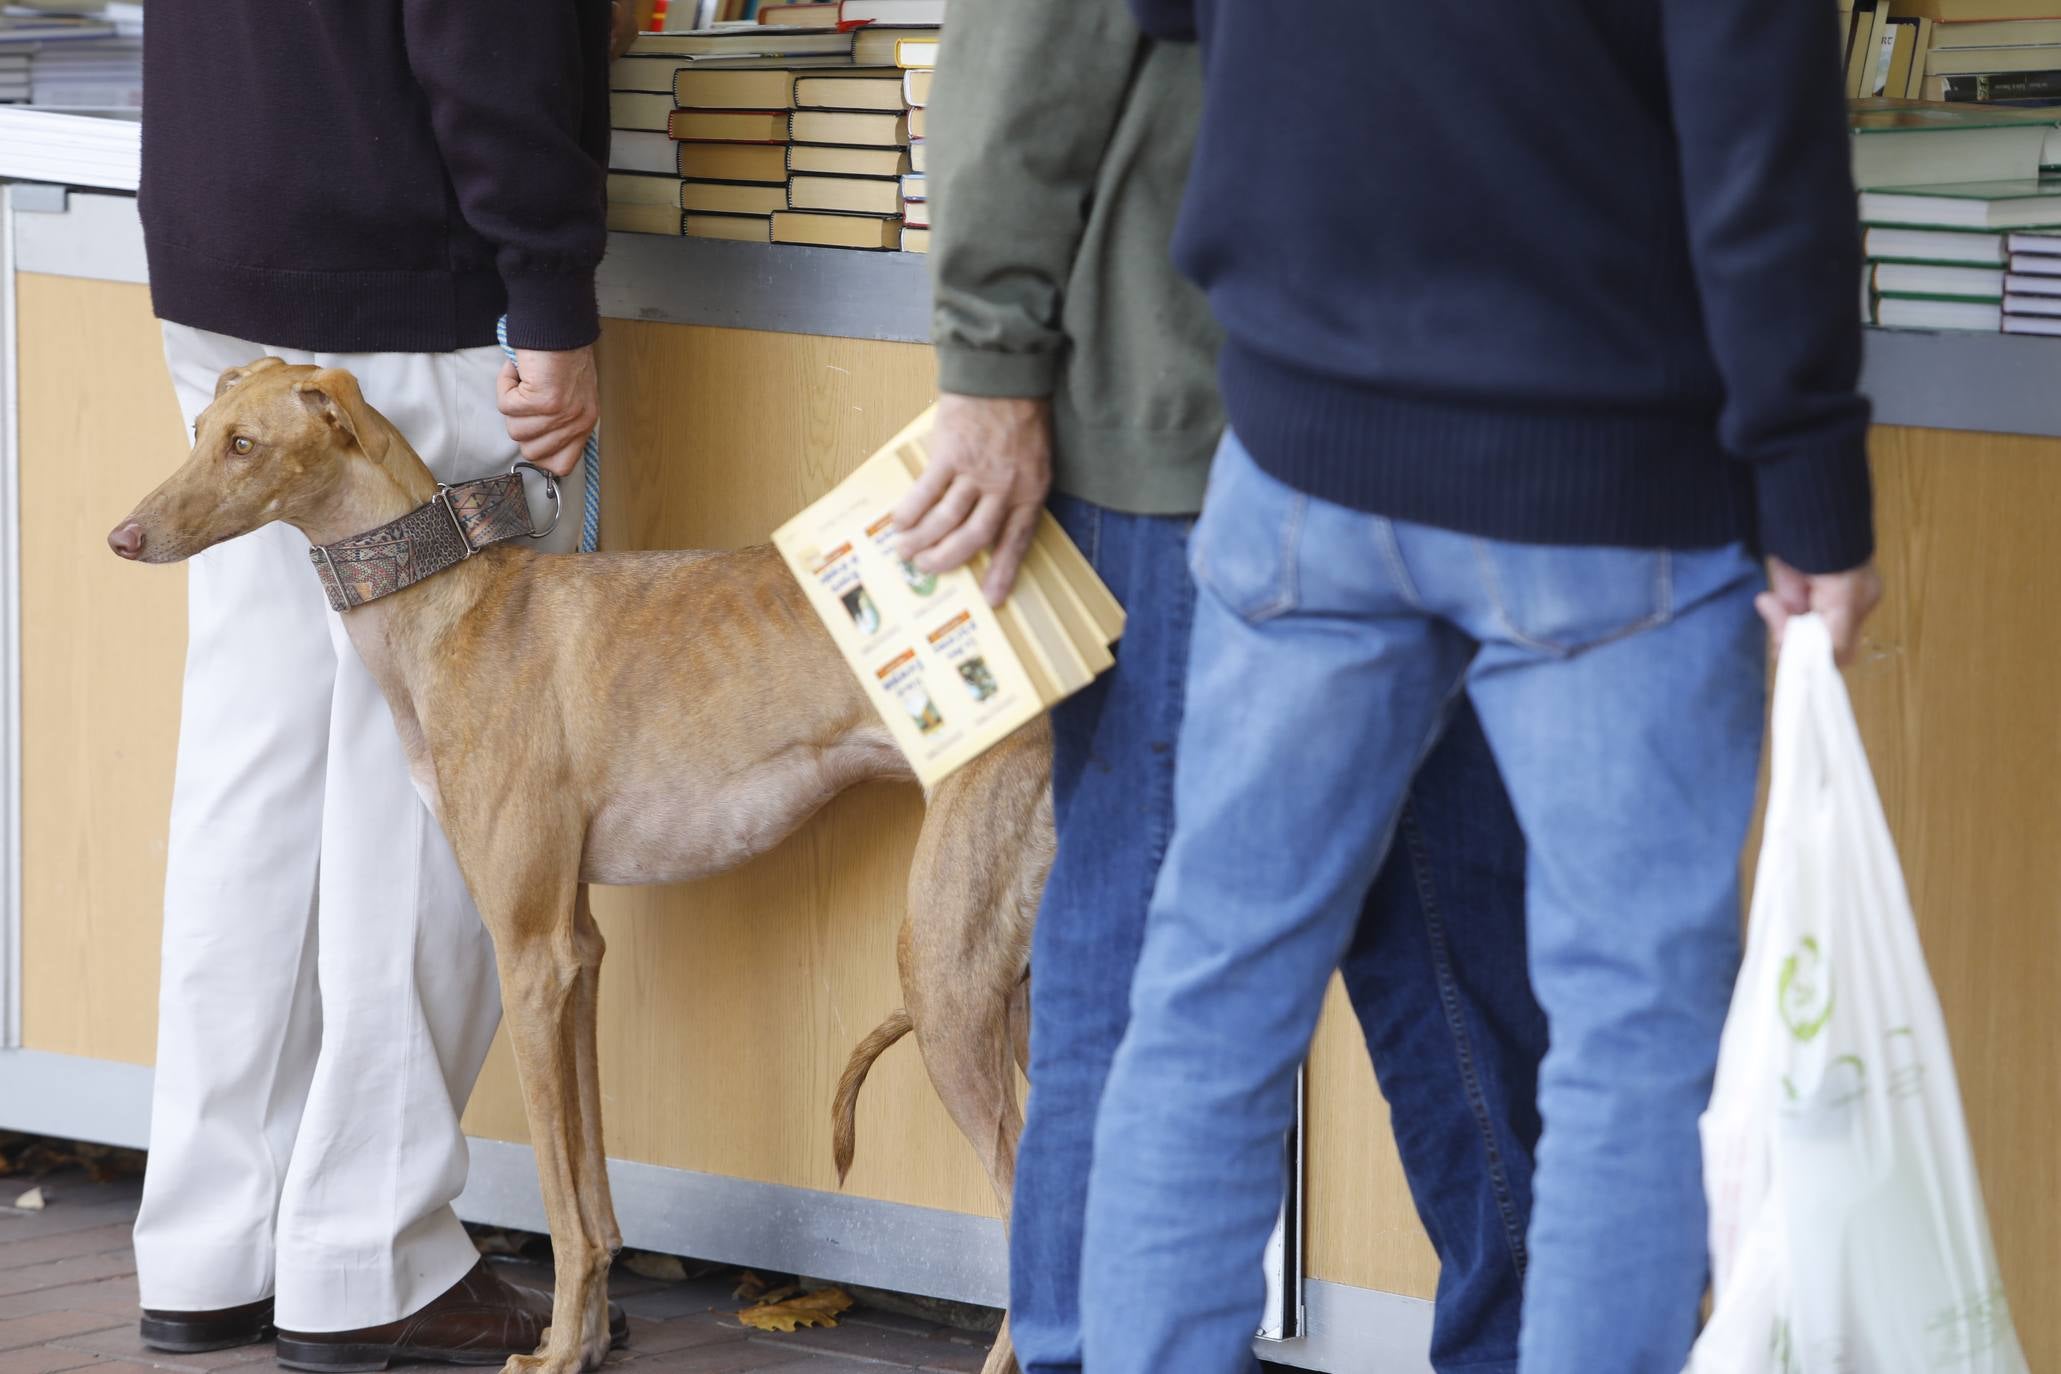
column 928, row 649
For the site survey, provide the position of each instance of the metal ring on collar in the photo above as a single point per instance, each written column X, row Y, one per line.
column 550, row 493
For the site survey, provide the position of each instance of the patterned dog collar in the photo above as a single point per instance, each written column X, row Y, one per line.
column 453, row 525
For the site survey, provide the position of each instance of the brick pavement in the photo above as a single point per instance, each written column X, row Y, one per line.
column 68, row 1302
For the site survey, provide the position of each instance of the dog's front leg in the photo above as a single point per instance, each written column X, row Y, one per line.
column 597, row 1204
column 531, row 917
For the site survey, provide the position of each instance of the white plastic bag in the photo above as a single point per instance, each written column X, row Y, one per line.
column 1847, row 1230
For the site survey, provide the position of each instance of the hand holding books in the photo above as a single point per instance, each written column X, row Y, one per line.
column 950, row 674
column 984, row 490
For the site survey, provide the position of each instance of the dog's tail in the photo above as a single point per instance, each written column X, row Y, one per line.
column 844, row 1109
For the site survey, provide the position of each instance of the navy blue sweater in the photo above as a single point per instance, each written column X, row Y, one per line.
column 1569, row 273
column 349, row 176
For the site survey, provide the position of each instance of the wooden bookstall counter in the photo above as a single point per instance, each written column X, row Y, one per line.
column 739, row 382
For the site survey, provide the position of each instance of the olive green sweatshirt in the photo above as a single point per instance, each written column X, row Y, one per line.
column 1059, row 146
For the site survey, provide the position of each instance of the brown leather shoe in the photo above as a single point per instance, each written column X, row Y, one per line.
column 225, row 1328
column 480, row 1320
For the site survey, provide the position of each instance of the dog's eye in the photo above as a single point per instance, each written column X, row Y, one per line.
column 241, row 444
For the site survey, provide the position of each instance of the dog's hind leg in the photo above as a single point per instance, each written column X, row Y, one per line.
column 973, row 894
column 1019, row 1023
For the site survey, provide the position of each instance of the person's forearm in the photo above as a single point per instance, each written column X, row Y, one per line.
column 1769, row 202
column 1013, row 163
column 508, row 101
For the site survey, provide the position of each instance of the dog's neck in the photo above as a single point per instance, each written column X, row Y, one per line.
column 368, row 491
column 372, row 489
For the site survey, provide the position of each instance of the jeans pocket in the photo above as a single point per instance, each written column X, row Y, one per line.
column 1249, row 537
column 1564, row 600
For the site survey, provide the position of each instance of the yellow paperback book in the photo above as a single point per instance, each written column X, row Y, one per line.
column 929, row 651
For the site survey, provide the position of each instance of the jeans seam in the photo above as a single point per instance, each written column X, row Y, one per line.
column 1289, row 592
column 1174, row 688
column 1392, row 554
column 1463, row 1043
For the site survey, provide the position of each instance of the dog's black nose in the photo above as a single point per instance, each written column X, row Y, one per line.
column 126, row 539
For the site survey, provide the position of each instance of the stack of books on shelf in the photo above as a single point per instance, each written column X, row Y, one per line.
column 1884, row 42
column 1972, row 256
column 793, row 129
column 1942, row 190
column 949, row 674
column 63, row 56
column 915, row 200
column 1976, row 51
column 14, row 76
column 2000, row 60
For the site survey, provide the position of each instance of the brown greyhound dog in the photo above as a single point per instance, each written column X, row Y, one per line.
column 603, row 719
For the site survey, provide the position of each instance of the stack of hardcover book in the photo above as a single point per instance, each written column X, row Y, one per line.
column 14, row 76
column 1980, row 256
column 795, row 129
column 72, row 57
column 1943, row 188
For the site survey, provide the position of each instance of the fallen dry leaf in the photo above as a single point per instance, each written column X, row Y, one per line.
column 33, row 1155
column 31, row 1201
column 819, row 1308
column 648, row 1265
column 750, row 1287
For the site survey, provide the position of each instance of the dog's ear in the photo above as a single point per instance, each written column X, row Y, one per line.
column 234, row 377
column 333, row 394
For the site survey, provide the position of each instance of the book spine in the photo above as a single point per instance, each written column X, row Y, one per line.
column 2002, row 86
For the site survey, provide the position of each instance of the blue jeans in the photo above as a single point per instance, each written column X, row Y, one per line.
column 1622, row 692
column 1436, row 973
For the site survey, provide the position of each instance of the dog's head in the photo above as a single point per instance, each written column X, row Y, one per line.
column 276, row 443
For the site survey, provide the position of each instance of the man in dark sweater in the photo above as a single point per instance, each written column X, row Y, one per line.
column 365, row 185
column 1065, row 340
column 1540, row 336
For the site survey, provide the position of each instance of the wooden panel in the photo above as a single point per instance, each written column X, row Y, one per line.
column 1363, row 1228
column 1957, row 701
column 728, row 1007
column 103, row 645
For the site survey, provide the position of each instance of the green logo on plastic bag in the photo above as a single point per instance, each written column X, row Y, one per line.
column 1804, row 991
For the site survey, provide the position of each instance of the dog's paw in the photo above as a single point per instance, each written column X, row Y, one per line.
column 544, row 1362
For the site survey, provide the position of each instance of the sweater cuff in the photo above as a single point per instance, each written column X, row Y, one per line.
column 1173, row 19
column 551, row 312
column 1817, row 507
column 967, row 371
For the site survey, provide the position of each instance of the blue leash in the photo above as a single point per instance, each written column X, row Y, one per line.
column 590, row 515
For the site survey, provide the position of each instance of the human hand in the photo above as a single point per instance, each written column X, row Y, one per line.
column 552, row 402
column 1844, row 599
column 990, row 467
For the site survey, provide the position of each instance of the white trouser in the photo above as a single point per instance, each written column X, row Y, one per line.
column 328, row 990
